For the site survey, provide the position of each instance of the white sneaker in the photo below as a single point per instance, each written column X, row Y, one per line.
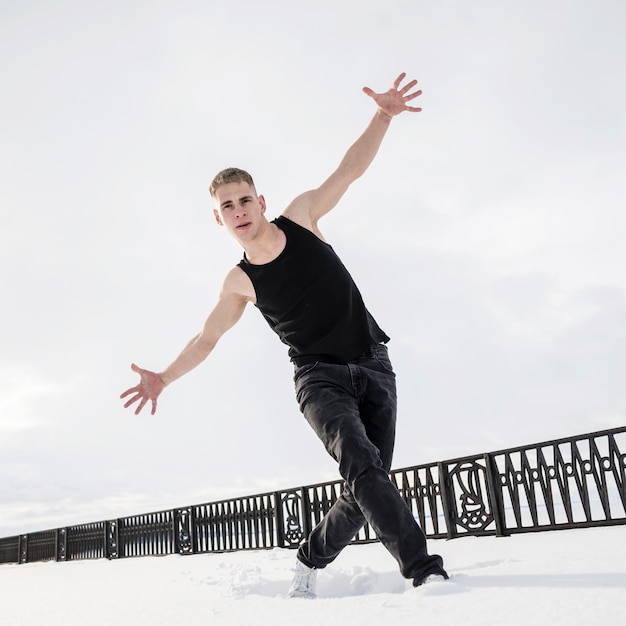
column 304, row 582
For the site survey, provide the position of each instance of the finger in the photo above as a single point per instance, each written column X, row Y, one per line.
column 369, row 92
column 412, row 96
column 413, row 109
column 141, row 405
column 135, row 368
column 132, row 400
column 408, row 87
column 396, row 83
column 129, row 391
column 154, row 407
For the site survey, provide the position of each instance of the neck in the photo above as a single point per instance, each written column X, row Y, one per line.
column 266, row 246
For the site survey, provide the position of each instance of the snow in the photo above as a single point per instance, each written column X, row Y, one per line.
column 559, row 577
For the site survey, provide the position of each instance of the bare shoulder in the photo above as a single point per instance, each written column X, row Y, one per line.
column 301, row 211
column 237, row 283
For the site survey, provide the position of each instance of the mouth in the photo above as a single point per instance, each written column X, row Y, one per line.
column 243, row 226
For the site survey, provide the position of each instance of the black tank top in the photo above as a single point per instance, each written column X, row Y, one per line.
column 309, row 299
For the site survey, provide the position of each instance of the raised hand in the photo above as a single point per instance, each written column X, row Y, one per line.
column 149, row 388
column 394, row 101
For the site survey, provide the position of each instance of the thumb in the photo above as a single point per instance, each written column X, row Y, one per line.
column 135, row 368
column 369, row 92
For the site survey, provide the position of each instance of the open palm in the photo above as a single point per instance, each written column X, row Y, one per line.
column 394, row 101
column 148, row 390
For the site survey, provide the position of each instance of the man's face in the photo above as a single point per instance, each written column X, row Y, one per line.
column 239, row 209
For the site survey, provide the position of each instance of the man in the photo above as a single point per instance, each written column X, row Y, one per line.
column 344, row 381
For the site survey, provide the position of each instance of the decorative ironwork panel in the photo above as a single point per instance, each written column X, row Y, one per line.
column 239, row 524
column 207, row 528
column 150, row 534
column 258, row 522
column 41, row 546
column 566, row 483
column 321, row 498
column 10, row 550
column 469, row 495
column 292, row 516
column 86, row 541
column 421, row 490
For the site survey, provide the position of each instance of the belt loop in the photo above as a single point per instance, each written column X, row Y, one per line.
column 371, row 351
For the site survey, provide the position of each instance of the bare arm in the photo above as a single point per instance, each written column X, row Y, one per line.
column 309, row 207
column 236, row 292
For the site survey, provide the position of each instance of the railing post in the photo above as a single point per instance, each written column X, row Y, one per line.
column 495, row 495
column 23, row 549
column 307, row 525
column 111, row 539
column 278, row 519
column 447, row 500
column 61, row 544
column 183, row 530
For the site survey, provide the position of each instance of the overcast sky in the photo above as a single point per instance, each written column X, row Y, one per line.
column 487, row 238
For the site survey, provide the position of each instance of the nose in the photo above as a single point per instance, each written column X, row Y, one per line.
column 241, row 211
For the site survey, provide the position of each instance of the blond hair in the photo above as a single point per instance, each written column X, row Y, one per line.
column 230, row 175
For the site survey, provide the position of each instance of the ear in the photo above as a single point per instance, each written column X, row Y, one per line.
column 218, row 219
column 262, row 203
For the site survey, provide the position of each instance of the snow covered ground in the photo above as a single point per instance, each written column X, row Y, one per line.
column 564, row 577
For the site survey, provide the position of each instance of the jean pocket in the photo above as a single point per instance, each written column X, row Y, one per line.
column 381, row 356
column 303, row 370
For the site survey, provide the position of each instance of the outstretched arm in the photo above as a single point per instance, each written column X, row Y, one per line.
column 236, row 292
column 310, row 206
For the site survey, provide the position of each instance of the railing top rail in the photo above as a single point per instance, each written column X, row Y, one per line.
column 564, row 440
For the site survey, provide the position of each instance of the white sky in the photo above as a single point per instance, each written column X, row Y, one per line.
column 487, row 237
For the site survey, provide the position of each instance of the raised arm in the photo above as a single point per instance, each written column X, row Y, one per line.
column 236, row 292
column 307, row 208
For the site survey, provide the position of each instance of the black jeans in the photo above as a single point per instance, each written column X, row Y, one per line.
column 352, row 409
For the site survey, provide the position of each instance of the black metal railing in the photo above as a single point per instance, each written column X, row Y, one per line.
column 565, row 483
